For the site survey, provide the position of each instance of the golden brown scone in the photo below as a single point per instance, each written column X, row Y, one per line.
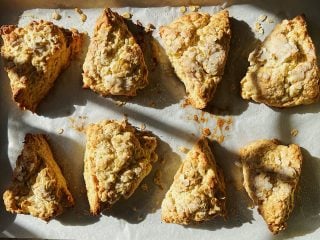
column 197, row 45
column 198, row 189
column 114, row 64
column 38, row 187
column 34, row 56
column 283, row 70
column 117, row 158
column 271, row 173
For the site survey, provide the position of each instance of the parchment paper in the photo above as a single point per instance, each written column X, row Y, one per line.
column 68, row 108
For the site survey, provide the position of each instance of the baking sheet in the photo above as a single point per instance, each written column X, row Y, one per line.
column 160, row 106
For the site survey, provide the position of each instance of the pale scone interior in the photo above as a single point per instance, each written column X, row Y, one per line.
column 198, row 189
column 283, row 70
column 197, row 45
column 38, row 187
column 34, row 56
column 114, row 64
column 117, row 158
column 271, row 173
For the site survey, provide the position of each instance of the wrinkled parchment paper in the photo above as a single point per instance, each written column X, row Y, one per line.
column 231, row 121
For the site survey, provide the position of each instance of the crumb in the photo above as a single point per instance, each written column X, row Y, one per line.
column 69, row 16
column 258, row 28
column 142, row 126
column 83, row 17
column 144, row 187
column 220, row 139
column 183, row 149
column 270, row 20
column 127, row 15
column 183, row 9
column 150, row 27
column 120, row 103
column 78, row 125
column 157, row 179
column 294, row 132
column 78, row 10
column 56, row 16
column 196, row 118
column 194, row 8
column 262, row 18
column 139, row 218
column 206, row 132
column 60, row 131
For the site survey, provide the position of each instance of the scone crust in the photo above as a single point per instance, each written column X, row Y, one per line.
column 34, row 56
column 198, row 189
column 271, row 173
column 38, row 187
column 114, row 64
column 117, row 158
column 283, row 70
column 197, row 45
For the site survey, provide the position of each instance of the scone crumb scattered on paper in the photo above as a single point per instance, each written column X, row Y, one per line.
column 60, row 131
column 56, row 15
column 120, row 103
column 194, row 8
column 83, row 17
column 183, row 9
column 262, row 18
column 258, row 28
column 150, row 27
column 183, row 149
column 143, row 126
column 294, row 132
column 127, row 15
column 206, row 132
column 270, row 20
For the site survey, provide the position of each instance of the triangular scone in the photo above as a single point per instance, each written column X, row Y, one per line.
column 114, row 64
column 38, row 187
column 198, row 189
column 34, row 56
column 283, row 70
column 117, row 158
column 271, row 173
column 197, row 45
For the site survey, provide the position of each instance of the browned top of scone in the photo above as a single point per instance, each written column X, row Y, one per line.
column 38, row 187
column 283, row 70
column 114, row 64
column 271, row 173
column 34, row 56
column 197, row 45
column 198, row 191
column 117, row 158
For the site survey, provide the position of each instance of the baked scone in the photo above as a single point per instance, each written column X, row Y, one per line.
column 114, row 64
column 198, row 189
column 34, row 56
column 197, row 45
column 117, row 158
column 271, row 173
column 283, row 70
column 38, row 187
